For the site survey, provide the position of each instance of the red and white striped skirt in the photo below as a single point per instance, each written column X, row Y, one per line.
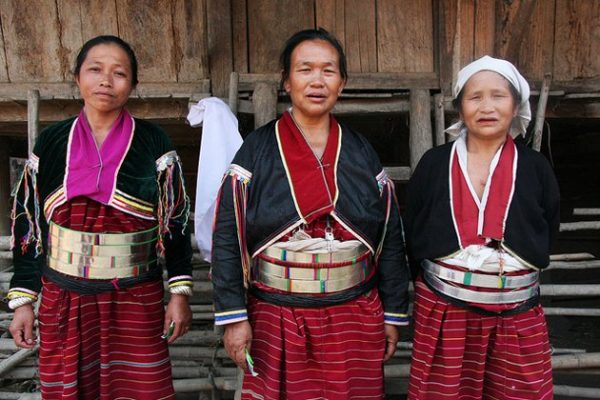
column 332, row 353
column 105, row 346
column 460, row 354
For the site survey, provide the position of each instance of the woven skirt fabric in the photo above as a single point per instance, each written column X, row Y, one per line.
column 331, row 353
column 106, row 346
column 460, row 354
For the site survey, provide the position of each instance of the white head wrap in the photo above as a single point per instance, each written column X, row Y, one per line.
column 507, row 70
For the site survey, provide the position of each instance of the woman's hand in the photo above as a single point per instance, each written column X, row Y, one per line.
column 391, row 340
column 237, row 339
column 179, row 313
column 21, row 327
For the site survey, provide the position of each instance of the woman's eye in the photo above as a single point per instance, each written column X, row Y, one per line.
column 121, row 74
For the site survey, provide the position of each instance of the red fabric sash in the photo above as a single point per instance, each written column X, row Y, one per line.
column 313, row 184
column 465, row 209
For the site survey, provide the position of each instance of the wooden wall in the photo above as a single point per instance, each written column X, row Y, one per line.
column 180, row 41
column 40, row 38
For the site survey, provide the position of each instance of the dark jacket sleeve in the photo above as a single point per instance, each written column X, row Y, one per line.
column 551, row 202
column 27, row 261
column 226, row 272
column 394, row 274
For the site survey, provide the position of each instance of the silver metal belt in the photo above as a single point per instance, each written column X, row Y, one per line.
column 101, row 255
column 480, row 280
column 505, row 297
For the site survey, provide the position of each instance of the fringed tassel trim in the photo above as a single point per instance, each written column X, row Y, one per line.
column 171, row 204
column 240, row 180
column 386, row 187
column 28, row 181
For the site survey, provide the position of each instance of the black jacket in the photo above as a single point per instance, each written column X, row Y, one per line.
column 270, row 213
column 531, row 225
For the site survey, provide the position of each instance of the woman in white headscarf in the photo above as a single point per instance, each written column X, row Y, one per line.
column 482, row 214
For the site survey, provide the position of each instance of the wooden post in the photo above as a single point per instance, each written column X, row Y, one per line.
column 420, row 138
column 440, row 123
column 264, row 100
column 33, row 118
column 541, row 112
column 234, row 80
column 4, row 187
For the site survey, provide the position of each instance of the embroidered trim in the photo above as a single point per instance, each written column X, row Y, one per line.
column 396, row 319
column 239, row 172
column 228, row 317
column 28, row 181
column 131, row 205
column 169, row 202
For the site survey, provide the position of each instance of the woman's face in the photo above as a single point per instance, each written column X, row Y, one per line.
column 487, row 106
column 314, row 82
column 104, row 79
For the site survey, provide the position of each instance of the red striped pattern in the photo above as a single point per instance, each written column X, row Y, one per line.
column 459, row 354
column 329, row 353
column 106, row 346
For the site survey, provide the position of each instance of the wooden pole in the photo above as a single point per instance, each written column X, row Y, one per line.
column 579, row 226
column 4, row 187
column 33, row 118
column 264, row 100
column 440, row 123
column 14, row 360
column 234, row 81
column 541, row 112
column 420, row 138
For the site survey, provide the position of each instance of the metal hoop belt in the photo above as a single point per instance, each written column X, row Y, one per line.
column 101, row 255
column 472, row 296
column 308, row 279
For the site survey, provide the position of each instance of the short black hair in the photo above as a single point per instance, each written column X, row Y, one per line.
column 310, row 34
column 108, row 39
column 457, row 102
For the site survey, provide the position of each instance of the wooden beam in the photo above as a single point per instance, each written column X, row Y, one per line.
column 513, row 30
column 233, row 100
column 361, row 81
column 440, row 123
column 346, row 107
column 69, row 91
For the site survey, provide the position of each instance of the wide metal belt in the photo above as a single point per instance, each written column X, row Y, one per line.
column 101, row 255
column 505, row 297
column 480, row 280
column 303, row 257
column 307, row 279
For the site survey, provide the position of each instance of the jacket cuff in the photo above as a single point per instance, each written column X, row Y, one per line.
column 396, row 319
column 229, row 317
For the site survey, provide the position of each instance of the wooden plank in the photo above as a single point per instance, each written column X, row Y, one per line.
column 190, row 44
column 331, row 15
column 536, row 52
column 577, row 45
column 141, row 21
column 239, row 26
column 405, row 36
column 100, row 18
column 359, row 81
column 31, row 44
column 456, row 24
column 220, row 50
column 511, row 26
column 485, row 28
column 360, row 38
column 270, row 24
column 3, row 65
column 346, row 107
column 69, row 22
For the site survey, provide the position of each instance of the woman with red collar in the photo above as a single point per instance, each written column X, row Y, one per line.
column 482, row 214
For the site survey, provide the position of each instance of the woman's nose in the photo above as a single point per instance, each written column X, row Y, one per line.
column 105, row 81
